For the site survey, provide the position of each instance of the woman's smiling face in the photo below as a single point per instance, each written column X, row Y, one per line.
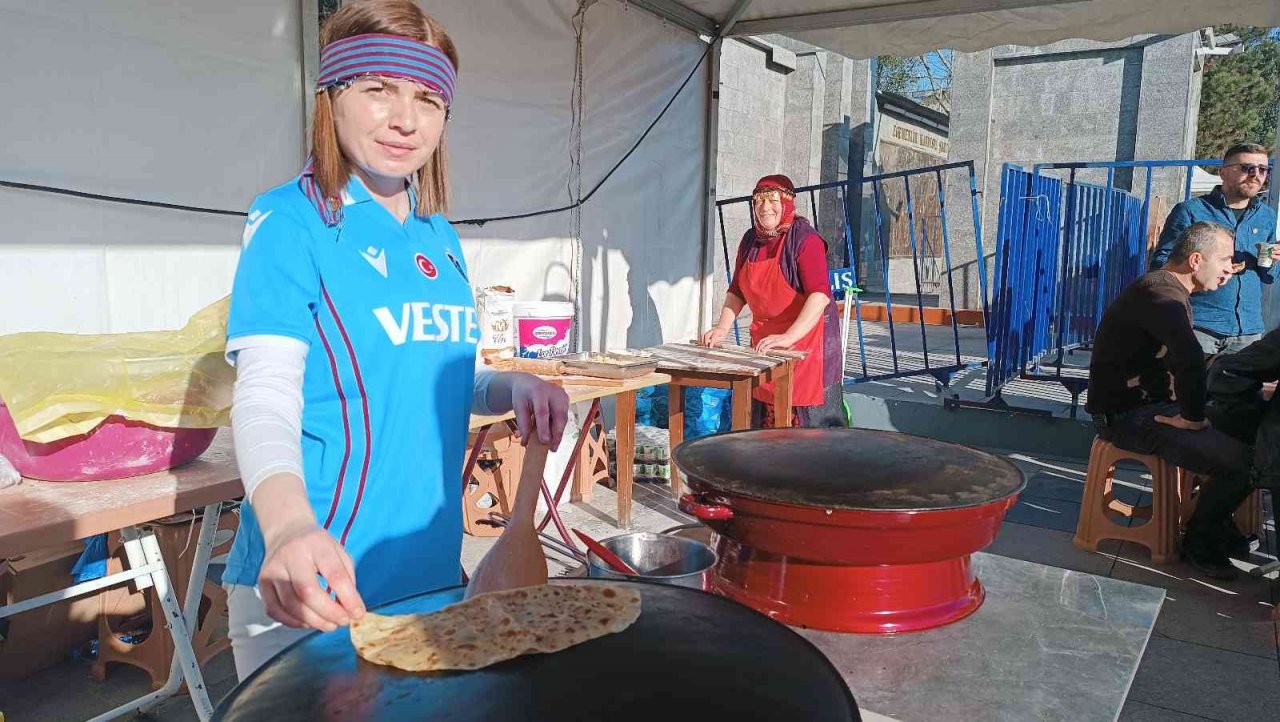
column 388, row 128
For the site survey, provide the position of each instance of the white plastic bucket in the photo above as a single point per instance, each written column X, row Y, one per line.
column 542, row 328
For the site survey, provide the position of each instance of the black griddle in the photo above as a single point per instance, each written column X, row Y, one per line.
column 847, row 469
column 690, row 655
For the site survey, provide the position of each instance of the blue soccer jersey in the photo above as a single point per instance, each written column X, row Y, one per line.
column 388, row 313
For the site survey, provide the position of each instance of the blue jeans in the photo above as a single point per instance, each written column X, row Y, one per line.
column 1212, row 344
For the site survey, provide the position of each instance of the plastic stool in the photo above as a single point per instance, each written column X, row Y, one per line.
column 1160, row 531
column 153, row 655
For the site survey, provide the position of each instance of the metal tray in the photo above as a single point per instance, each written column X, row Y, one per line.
column 626, row 364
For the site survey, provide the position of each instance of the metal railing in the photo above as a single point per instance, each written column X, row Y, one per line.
column 1027, row 247
column 1065, row 248
column 927, row 234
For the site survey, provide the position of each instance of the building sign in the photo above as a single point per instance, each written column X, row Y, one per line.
column 841, row 281
column 914, row 137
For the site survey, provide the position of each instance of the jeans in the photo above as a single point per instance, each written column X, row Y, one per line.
column 1213, row 345
column 1226, row 461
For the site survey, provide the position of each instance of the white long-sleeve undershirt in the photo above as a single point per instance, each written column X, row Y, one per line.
column 266, row 410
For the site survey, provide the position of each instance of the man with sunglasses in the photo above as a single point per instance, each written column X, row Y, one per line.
column 1230, row 318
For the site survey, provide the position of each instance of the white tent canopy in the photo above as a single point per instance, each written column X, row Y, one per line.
column 1202, row 181
column 204, row 104
column 865, row 28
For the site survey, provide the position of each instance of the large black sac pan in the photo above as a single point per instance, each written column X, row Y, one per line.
column 690, row 655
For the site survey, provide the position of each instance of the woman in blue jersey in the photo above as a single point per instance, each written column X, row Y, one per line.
column 354, row 334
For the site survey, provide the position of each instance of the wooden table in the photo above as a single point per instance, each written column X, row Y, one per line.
column 624, row 392
column 36, row 514
column 727, row 367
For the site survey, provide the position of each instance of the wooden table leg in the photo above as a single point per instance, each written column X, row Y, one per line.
column 675, row 430
column 625, row 443
column 742, row 404
column 589, row 454
column 782, row 395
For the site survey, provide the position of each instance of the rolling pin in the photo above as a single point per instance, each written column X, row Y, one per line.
column 540, row 366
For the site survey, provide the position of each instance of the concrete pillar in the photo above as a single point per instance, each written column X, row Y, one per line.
column 970, row 138
column 1164, row 128
column 802, row 124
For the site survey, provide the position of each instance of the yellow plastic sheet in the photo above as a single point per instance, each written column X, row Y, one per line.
column 61, row 385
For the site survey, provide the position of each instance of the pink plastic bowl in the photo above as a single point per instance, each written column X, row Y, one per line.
column 117, row 448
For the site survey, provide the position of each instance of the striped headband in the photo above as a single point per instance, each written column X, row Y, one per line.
column 392, row 56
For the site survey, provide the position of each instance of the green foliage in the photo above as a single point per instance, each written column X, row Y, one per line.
column 1238, row 98
column 923, row 78
column 896, row 75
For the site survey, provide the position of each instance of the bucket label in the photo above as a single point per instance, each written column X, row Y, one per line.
column 542, row 337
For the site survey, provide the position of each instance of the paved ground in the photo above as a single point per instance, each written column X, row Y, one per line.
column 1213, row 654
column 936, row 349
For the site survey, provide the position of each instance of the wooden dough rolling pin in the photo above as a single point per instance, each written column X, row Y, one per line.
column 539, row 366
column 516, row 559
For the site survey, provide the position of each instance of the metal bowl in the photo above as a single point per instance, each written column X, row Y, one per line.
column 659, row 558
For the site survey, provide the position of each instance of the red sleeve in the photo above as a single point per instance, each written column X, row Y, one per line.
column 812, row 263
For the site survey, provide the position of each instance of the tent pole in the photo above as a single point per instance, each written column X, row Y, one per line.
column 706, row 306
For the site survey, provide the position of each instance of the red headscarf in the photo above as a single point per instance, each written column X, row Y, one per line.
column 787, row 190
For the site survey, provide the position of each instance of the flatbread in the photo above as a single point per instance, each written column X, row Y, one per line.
column 498, row 626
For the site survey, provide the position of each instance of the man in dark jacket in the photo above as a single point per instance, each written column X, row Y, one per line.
column 1230, row 318
column 1145, row 337
column 1239, row 407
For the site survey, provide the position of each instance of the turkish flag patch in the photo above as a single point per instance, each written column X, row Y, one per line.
column 425, row 265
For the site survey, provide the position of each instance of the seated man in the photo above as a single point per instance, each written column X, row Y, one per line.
column 1145, row 336
column 1240, row 408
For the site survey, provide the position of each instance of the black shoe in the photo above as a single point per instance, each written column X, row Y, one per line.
column 1231, row 541
column 1200, row 551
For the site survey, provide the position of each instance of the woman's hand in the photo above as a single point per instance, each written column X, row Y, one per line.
column 776, row 341
column 292, row 594
column 714, row 337
column 540, row 407
column 297, row 549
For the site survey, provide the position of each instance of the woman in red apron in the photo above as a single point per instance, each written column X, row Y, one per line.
column 781, row 273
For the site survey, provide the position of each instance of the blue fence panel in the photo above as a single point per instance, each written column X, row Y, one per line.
column 1026, row 272
column 929, row 239
column 1104, row 250
column 1064, row 251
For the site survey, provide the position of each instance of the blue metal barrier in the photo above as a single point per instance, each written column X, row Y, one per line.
column 1064, row 250
column 1150, row 166
column 929, row 241
column 1027, row 250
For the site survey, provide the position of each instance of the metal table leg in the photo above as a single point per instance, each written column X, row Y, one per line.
column 147, row 568
column 140, row 543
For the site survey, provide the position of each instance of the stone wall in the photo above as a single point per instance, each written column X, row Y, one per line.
column 1076, row 100
column 786, row 107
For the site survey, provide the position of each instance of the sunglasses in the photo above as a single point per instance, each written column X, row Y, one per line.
column 1251, row 168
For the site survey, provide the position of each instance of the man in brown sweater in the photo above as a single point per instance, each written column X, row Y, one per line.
column 1145, row 336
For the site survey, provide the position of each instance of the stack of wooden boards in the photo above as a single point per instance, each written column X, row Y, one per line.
column 672, row 357
column 552, row 371
column 735, row 360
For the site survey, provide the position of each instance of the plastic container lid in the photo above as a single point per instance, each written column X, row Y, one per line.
column 543, row 309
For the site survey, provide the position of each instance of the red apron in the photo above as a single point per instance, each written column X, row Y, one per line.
column 775, row 305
